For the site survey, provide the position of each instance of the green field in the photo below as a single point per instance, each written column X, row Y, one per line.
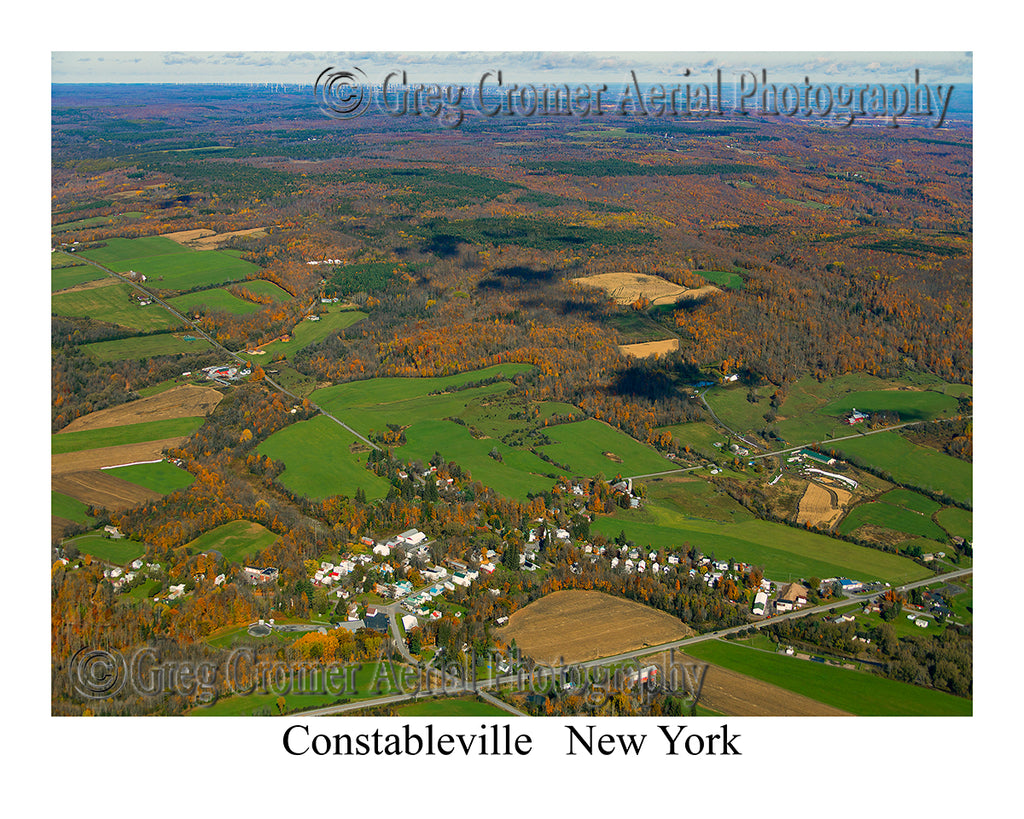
column 128, row 434
column 81, row 224
column 957, row 522
column 69, row 508
column 813, row 410
column 695, row 498
column 312, row 332
column 698, row 436
column 786, row 552
column 582, row 446
column 119, row 551
column 518, row 473
column 140, row 347
column 913, row 501
column 163, row 477
column 724, row 278
column 215, row 300
column 261, row 287
column 319, row 461
column 890, row 517
column 117, row 253
column 63, row 276
column 113, row 303
column 235, row 540
column 450, row 707
column 854, row 691
column 911, row 464
column 170, row 266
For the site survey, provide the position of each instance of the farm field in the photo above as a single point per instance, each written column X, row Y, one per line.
column 695, row 498
column 793, row 553
column 591, row 447
column 519, row 472
column 311, row 332
column 908, row 499
column 648, row 348
column 261, row 287
column 87, row 459
column 235, row 540
column 819, row 506
column 729, row 692
column 119, row 552
column 64, row 506
column 140, row 347
column 112, row 303
column 64, row 442
column 576, row 626
column 911, row 464
column 184, row 401
column 320, row 462
column 957, row 521
column 626, row 288
column 102, row 488
column 813, row 410
column 858, row 692
column 698, row 436
column 163, row 477
column 214, row 300
column 170, row 266
column 723, row 278
column 73, row 272
column 892, row 517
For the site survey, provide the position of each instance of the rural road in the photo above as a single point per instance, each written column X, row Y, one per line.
column 199, row 330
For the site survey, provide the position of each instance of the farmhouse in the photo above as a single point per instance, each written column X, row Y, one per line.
column 760, row 600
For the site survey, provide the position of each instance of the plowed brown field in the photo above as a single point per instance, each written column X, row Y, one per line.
column 820, row 505
column 205, row 239
column 626, row 288
column 179, row 402
column 102, row 489
column 738, row 695
column 574, row 626
column 649, row 348
column 111, row 455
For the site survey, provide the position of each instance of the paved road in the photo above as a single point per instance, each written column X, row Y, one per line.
column 199, row 330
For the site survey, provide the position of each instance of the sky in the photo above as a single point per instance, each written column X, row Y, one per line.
column 517, row 66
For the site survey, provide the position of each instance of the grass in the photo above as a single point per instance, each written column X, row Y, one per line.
column 215, row 300
column 127, row 434
column 119, row 551
column 854, row 691
column 518, row 473
column 142, row 347
column 913, row 501
column 170, row 266
column 234, row 540
column 64, row 277
column 162, row 477
column 64, row 506
column 911, row 464
column 912, row 405
column 306, row 333
column 786, row 552
column 261, row 287
column 696, row 498
column 450, row 707
column 890, row 517
column 319, row 460
column 698, row 437
column 581, row 446
column 957, row 522
column 724, row 278
column 113, row 303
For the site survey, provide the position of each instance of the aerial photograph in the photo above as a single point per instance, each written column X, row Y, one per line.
column 511, row 384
